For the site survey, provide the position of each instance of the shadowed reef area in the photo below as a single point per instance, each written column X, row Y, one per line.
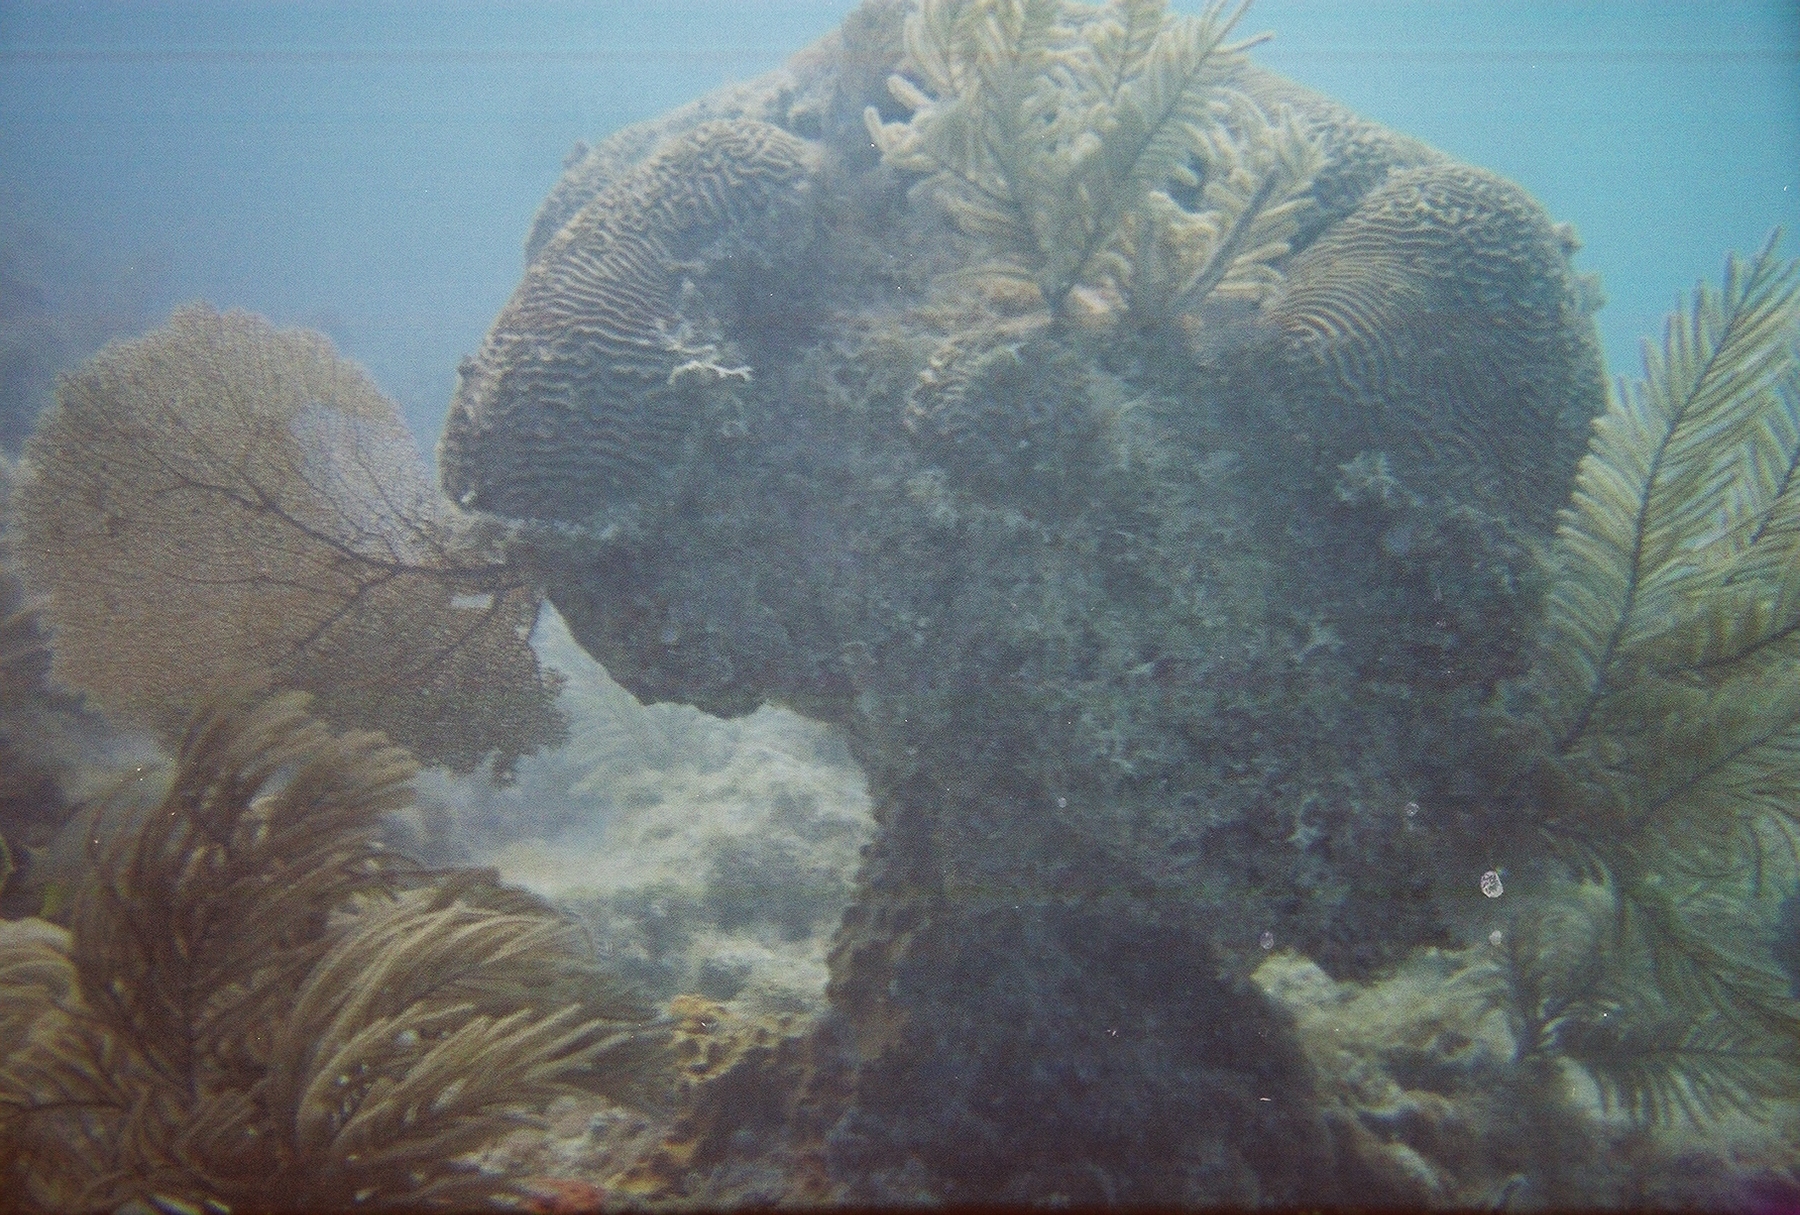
column 1299, row 773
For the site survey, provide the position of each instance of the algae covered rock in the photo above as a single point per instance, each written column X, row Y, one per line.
column 1146, row 629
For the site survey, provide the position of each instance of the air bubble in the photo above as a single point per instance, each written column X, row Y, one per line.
column 1491, row 885
column 1267, row 941
column 1495, row 937
column 1412, row 809
column 1062, row 803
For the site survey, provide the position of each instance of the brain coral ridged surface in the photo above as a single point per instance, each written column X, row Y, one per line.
column 1436, row 321
column 595, row 373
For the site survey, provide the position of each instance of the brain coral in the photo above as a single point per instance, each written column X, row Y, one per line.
column 593, row 375
column 1437, row 323
column 1358, row 153
column 590, row 170
column 820, row 94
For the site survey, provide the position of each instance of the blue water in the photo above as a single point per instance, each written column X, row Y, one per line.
column 370, row 168
column 1667, row 131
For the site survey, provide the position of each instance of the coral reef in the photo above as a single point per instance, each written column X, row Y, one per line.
column 724, row 1056
column 220, row 505
column 254, row 1003
column 1149, row 475
column 1133, row 682
column 1421, row 1080
column 1626, row 1036
column 597, row 374
column 1429, row 1080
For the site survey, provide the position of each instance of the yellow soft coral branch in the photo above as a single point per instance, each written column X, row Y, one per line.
column 1050, row 131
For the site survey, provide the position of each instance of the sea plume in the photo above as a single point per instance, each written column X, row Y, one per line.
column 1660, row 725
column 256, row 1003
column 1056, row 132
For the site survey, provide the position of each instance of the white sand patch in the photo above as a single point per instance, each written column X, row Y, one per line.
column 705, row 855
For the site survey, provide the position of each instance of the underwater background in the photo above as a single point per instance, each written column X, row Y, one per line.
column 908, row 670
column 366, row 169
